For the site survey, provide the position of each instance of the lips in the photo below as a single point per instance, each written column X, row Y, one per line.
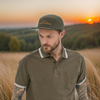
column 46, row 46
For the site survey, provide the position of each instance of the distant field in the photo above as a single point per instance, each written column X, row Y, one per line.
column 9, row 63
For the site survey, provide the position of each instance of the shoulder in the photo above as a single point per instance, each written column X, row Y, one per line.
column 75, row 54
column 31, row 55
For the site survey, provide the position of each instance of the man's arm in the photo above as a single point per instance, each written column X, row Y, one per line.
column 17, row 93
column 82, row 91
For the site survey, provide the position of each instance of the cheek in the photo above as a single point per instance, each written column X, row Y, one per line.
column 53, row 41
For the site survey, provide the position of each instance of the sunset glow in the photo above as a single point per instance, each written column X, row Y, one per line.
column 27, row 12
column 93, row 20
column 90, row 21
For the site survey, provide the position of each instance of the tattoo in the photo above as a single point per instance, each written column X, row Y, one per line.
column 17, row 93
column 82, row 91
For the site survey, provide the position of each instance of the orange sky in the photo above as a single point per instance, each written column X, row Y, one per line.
column 27, row 12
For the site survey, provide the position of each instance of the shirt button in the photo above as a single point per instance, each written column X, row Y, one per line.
column 54, row 61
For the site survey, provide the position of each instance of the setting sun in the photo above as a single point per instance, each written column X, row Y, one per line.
column 90, row 21
column 93, row 20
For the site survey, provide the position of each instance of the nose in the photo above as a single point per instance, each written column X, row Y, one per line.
column 44, row 41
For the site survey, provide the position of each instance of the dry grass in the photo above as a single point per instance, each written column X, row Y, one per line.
column 92, row 58
column 9, row 63
column 8, row 68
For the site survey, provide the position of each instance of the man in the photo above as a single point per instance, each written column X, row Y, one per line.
column 51, row 72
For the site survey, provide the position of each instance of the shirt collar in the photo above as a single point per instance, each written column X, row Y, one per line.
column 43, row 54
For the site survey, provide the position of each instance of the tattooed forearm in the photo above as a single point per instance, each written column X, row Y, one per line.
column 82, row 91
column 17, row 93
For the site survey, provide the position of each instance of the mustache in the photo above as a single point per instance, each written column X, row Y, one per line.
column 46, row 45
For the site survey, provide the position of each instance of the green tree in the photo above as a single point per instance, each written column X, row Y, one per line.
column 22, row 45
column 4, row 42
column 83, row 45
column 99, row 40
column 96, row 42
column 36, row 44
column 29, row 46
column 14, row 44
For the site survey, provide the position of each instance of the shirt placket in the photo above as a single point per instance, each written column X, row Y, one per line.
column 56, row 72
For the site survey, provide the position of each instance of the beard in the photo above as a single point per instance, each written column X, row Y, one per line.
column 46, row 47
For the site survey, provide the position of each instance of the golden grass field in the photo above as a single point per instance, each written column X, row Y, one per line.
column 9, row 63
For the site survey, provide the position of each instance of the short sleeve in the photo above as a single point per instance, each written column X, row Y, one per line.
column 82, row 71
column 22, row 76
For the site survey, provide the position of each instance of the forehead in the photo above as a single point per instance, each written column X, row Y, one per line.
column 47, row 32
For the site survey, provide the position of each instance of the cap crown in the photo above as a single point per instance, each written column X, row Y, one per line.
column 52, row 22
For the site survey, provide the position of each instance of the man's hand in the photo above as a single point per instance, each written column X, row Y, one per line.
column 17, row 93
column 82, row 91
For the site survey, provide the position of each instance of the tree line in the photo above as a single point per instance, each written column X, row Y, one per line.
column 9, row 43
column 79, row 36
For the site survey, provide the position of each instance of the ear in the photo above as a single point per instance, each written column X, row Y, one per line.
column 62, row 33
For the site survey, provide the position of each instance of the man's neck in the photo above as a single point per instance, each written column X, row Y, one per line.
column 57, row 52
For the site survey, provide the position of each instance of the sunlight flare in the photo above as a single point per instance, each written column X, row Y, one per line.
column 90, row 21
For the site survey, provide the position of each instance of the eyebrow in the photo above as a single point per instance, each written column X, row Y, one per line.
column 47, row 35
column 40, row 34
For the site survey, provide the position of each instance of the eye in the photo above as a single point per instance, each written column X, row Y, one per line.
column 49, row 36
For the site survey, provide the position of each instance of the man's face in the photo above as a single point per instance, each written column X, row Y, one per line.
column 50, row 39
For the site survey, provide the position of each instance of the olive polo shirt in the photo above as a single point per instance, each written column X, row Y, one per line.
column 47, row 79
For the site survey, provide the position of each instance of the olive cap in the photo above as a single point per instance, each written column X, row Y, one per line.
column 50, row 21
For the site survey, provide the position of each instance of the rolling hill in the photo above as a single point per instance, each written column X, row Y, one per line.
column 78, row 36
